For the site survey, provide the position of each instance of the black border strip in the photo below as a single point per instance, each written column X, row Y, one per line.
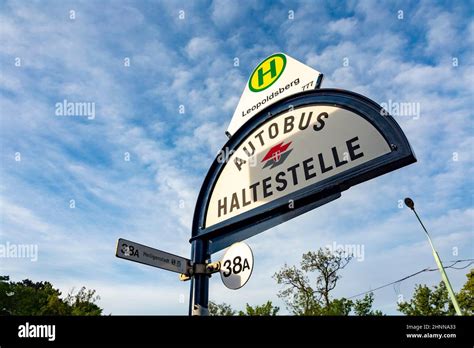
column 172, row 331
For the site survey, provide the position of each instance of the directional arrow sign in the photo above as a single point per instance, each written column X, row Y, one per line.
column 132, row 251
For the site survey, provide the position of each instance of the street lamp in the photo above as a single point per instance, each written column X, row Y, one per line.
column 410, row 204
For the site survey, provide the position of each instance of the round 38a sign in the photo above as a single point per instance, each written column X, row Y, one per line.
column 237, row 266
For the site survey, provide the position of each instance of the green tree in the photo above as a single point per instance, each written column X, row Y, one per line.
column 298, row 295
column 466, row 295
column 222, row 309
column 304, row 299
column 436, row 301
column 267, row 309
column 83, row 302
column 341, row 306
column 41, row 298
column 364, row 306
column 301, row 298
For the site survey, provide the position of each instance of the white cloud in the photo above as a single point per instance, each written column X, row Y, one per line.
column 343, row 26
column 201, row 46
column 441, row 33
column 227, row 12
column 22, row 216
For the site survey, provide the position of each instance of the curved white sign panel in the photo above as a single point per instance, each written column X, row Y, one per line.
column 296, row 155
column 297, row 149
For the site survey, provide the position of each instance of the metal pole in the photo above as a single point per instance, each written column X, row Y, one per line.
column 200, row 281
column 410, row 204
column 191, row 287
column 444, row 276
column 191, row 297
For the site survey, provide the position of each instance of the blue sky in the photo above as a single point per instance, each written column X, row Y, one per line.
column 424, row 58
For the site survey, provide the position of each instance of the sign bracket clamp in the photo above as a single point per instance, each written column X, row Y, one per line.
column 201, row 268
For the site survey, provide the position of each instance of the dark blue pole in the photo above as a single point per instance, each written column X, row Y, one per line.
column 191, row 287
column 200, row 296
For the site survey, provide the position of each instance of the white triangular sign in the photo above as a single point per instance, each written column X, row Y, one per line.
column 275, row 78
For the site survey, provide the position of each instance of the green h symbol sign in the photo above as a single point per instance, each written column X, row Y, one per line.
column 267, row 72
column 272, row 71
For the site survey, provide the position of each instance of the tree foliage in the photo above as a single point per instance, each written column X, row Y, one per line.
column 220, row 309
column 224, row 309
column 83, row 302
column 466, row 296
column 364, row 306
column 304, row 299
column 267, row 309
column 436, row 301
column 41, row 298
